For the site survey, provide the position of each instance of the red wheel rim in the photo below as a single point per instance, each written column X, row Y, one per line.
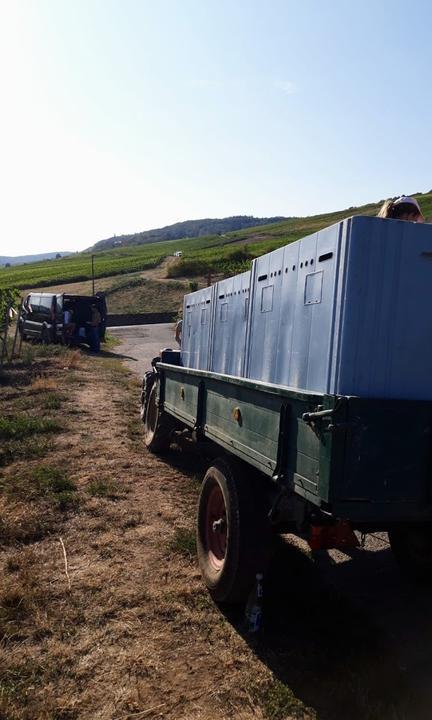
column 216, row 528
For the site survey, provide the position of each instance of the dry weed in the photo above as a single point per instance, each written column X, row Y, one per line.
column 24, row 523
column 70, row 360
column 44, row 384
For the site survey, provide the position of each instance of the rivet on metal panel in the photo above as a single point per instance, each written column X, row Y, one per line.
column 182, row 393
column 236, row 413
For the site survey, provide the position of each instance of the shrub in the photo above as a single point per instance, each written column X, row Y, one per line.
column 8, row 297
column 104, row 489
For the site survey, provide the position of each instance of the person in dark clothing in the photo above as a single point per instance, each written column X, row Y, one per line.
column 93, row 329
column 102, row 305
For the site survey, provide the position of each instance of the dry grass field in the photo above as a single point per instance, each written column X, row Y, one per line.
column 103, row 615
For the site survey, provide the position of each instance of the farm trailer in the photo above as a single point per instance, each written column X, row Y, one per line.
column 308, row 381
column 316, row 465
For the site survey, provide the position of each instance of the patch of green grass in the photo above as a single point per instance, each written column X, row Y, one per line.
column 17, row 427
column 26, row 448
column 50, row 479
column 278, row 702
column 52, row 401
column 105, row 489
column 66, row 500
column 143, row 295
column 111, row 341
column 49, row 350
column 114, row 366
column 30, row 352
column 184, row 543
column 43, row 481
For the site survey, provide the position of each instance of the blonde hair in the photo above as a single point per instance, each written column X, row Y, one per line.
column 392, row 209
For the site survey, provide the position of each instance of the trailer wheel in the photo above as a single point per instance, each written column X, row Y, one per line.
column 412, row 548
column 147, row 384
column 158, row 425
column 233, row 532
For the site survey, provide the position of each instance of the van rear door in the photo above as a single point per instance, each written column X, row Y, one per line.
column 30, row 315
column 46, row 313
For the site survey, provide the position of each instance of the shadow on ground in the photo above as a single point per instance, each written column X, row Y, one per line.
column 351, row 639
column 108, row 354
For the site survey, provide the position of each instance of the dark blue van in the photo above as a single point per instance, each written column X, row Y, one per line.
column 45, row 317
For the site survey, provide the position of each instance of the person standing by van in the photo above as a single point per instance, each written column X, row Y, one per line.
column 93, row 329
column 69, row 325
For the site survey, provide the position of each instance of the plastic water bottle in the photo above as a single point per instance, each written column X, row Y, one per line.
column 253, row 611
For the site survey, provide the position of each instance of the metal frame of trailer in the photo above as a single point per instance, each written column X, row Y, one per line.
column 364, row 460
column 313, row 461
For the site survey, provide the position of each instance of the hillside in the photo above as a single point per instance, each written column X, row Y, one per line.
column 186, row 229
column 223, row 254
column 23, row 259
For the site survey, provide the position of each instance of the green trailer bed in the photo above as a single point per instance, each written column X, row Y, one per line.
column 309, row 459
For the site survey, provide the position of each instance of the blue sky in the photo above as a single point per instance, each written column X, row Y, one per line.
column 123, row 116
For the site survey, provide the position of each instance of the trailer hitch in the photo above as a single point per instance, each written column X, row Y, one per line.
column 312, row 417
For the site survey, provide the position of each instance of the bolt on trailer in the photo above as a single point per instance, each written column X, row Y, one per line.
column 308, row 380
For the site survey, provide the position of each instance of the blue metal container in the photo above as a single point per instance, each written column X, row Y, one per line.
column 343, row 311
column 382, row 338
column 197, row 328
column 229, row 325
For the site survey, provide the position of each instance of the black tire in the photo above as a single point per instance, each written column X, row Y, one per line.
column 229, row 563
column 147, row 384
column 158, row 425
column 412, row 548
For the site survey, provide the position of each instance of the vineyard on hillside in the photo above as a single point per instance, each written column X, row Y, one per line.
column 224, row 254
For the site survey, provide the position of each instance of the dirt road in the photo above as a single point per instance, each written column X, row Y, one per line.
column 141, row 343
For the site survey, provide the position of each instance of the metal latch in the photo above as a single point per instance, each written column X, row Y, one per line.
column 311, row 417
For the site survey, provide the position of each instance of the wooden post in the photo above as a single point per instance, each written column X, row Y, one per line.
column 93, row 278
column 18, row 353
column 3, row 336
